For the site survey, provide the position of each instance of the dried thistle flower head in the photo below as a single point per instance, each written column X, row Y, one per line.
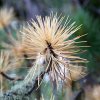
column 48, row 41
column 6, row 16
column 5, row 66
column 5, row 63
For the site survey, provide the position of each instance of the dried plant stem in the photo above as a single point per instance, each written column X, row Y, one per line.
column 11, row 78
column 1, row 87
column 68, row 95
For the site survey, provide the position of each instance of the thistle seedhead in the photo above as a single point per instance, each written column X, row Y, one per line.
column 6, row 16
column 5, row 63
column 48, row 40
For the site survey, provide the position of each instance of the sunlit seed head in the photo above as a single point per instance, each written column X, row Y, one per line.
column 50, row 37
column 6, row 16
column 5, row 64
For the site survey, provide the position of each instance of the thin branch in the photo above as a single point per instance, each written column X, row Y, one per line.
column 36, row 85
column 11, row 78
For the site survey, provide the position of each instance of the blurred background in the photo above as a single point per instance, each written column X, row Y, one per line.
column 85, row 12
